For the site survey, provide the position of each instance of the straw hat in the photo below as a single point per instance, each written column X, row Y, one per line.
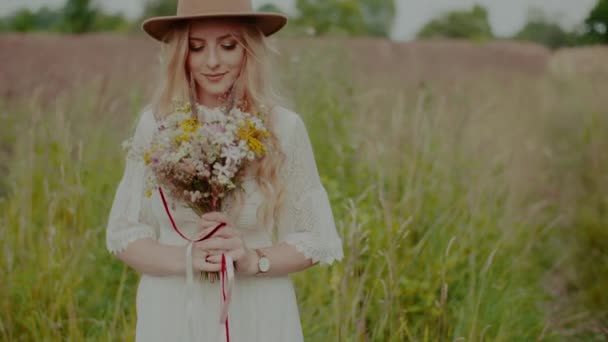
column 269, row 23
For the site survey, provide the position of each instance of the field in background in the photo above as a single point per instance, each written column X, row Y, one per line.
column 468, row 183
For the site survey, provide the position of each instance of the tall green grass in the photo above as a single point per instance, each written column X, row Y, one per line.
column 474, row 212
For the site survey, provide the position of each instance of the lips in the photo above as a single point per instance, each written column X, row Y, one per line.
column 214, row 77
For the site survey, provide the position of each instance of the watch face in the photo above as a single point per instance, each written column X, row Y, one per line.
column 264, row 264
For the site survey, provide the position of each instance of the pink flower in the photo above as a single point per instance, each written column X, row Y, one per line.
column 218, row 128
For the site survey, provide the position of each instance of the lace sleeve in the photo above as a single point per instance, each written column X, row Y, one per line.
column 127, row 221
column 306, row 219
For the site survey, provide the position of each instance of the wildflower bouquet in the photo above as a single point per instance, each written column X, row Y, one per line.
column 200, row 158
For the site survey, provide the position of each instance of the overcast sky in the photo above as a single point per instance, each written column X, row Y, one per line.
column 506, row 16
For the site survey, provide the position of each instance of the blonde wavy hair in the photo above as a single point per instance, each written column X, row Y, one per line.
column 254, row 91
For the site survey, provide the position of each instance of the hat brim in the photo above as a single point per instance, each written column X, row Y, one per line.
column 269, row 23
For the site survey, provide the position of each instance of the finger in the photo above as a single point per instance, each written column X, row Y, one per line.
column 206, row 224
column 227, row 232
column 232, row 245
column 237, row 243
column 211, row 228
column 205, row 221
column 217, row 252
column 235, row 254
column 208, row 267
column 214, row 243
column 214, row 230
column 206, row 230
column 215, row 216
column 222, row 232
column 201, row 255
column 200, row 262
column 215, row 259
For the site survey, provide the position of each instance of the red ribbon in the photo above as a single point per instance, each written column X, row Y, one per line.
column 224, row 276
column 162, row 196
column 223, row 271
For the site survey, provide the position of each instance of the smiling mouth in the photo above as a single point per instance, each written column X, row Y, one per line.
column 214, row 77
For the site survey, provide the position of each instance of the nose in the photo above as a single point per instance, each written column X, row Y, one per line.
column 212, row 59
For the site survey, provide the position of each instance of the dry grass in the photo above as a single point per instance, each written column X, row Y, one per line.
column 58, row 63
column 468, row 182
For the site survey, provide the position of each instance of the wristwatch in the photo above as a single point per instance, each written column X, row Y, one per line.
column 263, row 262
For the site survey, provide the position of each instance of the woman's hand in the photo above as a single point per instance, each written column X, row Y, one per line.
column 201, row 262
column 227, row 240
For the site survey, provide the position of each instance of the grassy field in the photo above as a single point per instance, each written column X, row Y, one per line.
column 469, row 183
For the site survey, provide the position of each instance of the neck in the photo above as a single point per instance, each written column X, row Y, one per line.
column 210, row 101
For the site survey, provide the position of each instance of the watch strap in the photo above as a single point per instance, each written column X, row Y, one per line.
column 259, row 253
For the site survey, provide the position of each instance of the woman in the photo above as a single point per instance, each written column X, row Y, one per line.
column 215, row 53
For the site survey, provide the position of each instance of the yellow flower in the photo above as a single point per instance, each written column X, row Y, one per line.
column 180, row 138
column 185, row 108
column 190, row 125
column 256, row 146
column 253, row 137
column 147, row 157
column 148, row 193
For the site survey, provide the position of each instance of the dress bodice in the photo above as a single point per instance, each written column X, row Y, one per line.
column 304, row 219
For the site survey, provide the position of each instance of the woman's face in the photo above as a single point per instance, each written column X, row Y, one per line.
column 215, row 58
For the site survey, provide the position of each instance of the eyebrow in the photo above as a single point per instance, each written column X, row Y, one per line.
column 218, row 38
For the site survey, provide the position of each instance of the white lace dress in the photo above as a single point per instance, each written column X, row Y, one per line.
column 262, row 309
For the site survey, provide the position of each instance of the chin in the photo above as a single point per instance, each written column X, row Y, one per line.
column 216, row 90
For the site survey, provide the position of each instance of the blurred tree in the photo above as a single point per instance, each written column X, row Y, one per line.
column 319, row 17
column 25, row 20
column 546, row 33
column 67, row 20
column 156, row 8
column 270, row 8
column 597, row 23
column 540, row 29
column 473, row 24
column 48, row 18
column 379, row 15
column 78, row 16
column 348, row 17
column 111, row 22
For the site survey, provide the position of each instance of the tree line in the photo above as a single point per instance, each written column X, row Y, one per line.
column 539, row 27
column 327, row 17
